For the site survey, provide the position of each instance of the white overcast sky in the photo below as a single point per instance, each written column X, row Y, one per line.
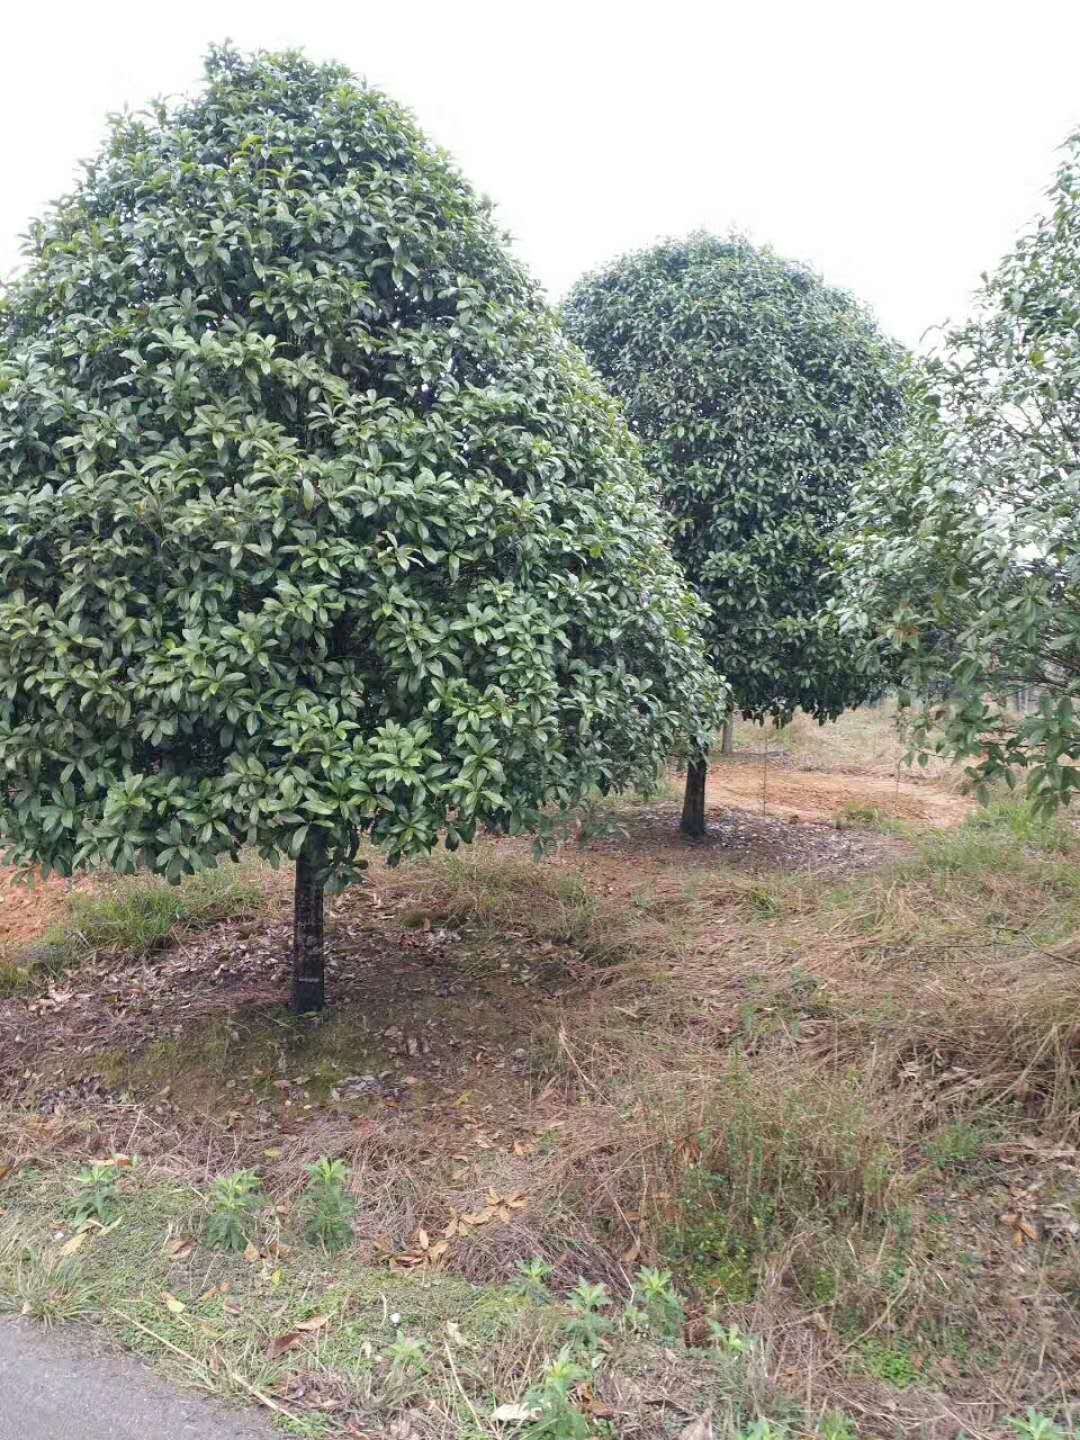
column 896, row 145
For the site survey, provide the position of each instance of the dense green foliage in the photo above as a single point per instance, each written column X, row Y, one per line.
column 312, row 523
column 965, row 545
column 759, row 395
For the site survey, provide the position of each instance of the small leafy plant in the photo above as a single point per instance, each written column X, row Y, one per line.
column 889, row 1361
column 327, row 1205
column 656, row 1299
column 727, row 1338
column 555, row 1416
column 408, row 1356
column 236, row 1199
column 531, row 1280
column 587, row 1325
column 97, row 1197
column 1036, row 1426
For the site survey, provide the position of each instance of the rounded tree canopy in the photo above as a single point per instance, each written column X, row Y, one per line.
column 311, row 521
column 964, row 550
column 759, row 394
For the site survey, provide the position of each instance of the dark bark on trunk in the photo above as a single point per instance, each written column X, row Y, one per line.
column 727, row 744
column 308, row 975
column 693, row 810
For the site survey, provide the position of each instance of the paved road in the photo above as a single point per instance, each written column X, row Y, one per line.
column 57, row 1386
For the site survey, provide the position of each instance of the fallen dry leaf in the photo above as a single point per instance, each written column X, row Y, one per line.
column 180, row 1248
column 281, row 1343
column 478, row 1217
column 406, row 1260
column 315, row 1323
column 500, row 1206
column 172, row 1304
column 1022, row 1228
column 513, row 1414
column 591, row 1406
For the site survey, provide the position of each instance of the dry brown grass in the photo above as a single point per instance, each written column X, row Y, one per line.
column 744, row 1077
column 867, row 741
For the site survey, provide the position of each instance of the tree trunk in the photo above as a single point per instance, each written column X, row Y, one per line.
column 693, row 810
column 727, row 744
column 308, row 975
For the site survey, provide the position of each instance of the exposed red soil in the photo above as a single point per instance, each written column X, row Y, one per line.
column 745, row 782
column 27, row 910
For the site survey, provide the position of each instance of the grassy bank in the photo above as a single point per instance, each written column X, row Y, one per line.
column 837, row 1117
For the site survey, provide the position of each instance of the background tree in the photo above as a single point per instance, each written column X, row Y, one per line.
column 759, row 395
column 964, row 548
column 312, row 527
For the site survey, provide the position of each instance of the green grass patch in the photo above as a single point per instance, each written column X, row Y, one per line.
column 15, row 978
column 1004, row 873
column 483, row 889
column 770, row 1164
column 957, row 1147
column 1006, row 837
column 136, row 916
column 889, row 1360
column 311, row 1329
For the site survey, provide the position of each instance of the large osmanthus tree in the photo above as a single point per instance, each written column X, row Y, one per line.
column 312, row 525
column 964, row 548
column 759, row 394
